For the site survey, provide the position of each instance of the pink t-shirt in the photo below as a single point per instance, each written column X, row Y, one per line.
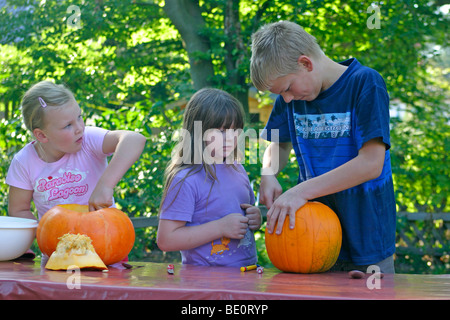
column 71, row 179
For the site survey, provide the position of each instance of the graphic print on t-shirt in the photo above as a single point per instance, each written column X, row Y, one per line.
column 221, row 247
column 323, row 126
column 68, row 183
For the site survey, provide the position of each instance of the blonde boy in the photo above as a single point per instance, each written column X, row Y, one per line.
column 336, row 117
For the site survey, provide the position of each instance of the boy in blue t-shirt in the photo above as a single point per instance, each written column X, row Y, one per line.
column 336, row 117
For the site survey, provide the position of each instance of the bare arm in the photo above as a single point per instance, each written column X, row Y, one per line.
column 19, row 203
column 367, row 165
column 127, row 147
column 175, row 235
column 275, row 159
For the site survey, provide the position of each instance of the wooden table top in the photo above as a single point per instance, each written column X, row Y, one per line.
column 27, row 279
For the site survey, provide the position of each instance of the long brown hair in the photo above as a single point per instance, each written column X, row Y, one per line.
column 213, row 109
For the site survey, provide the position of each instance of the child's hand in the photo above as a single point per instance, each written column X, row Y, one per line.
column 285, row 205
column 100, row 198
column 269, row 190
column 254, row 216
column 234, row 226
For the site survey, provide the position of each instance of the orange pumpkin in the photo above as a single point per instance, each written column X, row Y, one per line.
column 312, row 246
column 110, row 229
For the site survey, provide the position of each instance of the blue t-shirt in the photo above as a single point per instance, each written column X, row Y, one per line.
column 328, row 132
column 195, row 202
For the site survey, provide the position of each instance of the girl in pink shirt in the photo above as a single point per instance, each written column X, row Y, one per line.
column 67, row 163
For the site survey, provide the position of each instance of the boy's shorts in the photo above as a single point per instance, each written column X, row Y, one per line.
column 386, row 266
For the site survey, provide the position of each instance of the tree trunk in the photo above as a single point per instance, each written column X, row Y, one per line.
column 235, row 54
column 186, row 17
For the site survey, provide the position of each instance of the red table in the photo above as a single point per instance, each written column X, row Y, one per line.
column 25, row 279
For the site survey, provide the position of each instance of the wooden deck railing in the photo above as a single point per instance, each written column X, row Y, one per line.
column 152, row 221
column 432, row 239
column 423, row 233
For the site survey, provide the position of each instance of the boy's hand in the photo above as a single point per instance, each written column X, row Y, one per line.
column 269, row 190
column 285, row 205
column 254, row 216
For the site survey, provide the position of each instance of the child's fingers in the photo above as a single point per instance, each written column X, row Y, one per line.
column 254, row 222
column 292, row 219
column 272, row 217
column 250, row 210
column 242, row 229
column 254, row 226
column 281, row 217
column 246, row 206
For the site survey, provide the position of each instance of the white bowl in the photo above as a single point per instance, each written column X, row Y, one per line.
column 16, row 236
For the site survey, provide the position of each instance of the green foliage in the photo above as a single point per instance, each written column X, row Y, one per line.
column 13, row 136
column 423, row 246
column 420, row 165
column 128, row 69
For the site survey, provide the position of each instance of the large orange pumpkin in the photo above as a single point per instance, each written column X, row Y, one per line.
column 312, row 246
column 110, row 229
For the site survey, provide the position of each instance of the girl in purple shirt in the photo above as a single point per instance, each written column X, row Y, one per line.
column 207, row 211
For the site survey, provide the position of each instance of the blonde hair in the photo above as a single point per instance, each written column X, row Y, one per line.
column 214, row 109
column 38, row 98
column 276, row 48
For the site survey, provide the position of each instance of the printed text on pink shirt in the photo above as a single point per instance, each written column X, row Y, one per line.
column 52, row 185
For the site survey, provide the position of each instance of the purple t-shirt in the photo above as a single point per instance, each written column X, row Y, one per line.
column 196, row 203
